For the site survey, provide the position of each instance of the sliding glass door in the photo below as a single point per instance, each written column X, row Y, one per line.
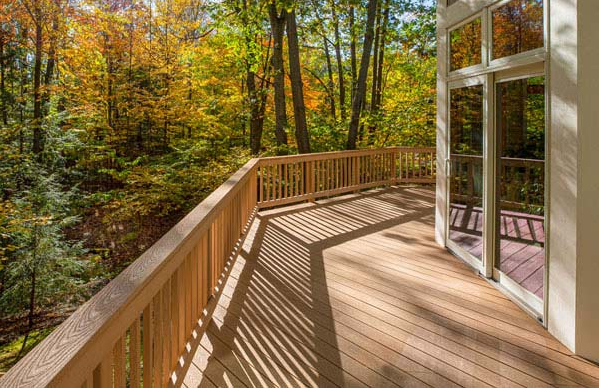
column 520, row 186
column 466, row 141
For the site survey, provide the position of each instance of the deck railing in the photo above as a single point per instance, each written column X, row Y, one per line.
column 296, row 178
column 135, row 330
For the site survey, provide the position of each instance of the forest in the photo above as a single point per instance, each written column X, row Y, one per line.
column 119, row 116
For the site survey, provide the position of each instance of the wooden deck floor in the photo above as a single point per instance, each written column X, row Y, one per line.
column 355, row 292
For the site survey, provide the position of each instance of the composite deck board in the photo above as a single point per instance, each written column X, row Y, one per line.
column 354, row 291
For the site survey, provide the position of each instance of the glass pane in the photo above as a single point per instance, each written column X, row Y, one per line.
column 466, row 180
column 521, row 181
column 517, row 27
column 465, row 45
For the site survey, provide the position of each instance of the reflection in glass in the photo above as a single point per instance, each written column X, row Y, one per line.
column 517, row 27
column 520, row 185
column 466, row 177
column 465, row 45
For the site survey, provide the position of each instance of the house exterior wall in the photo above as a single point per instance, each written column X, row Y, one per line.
column 587, row 265
column 572, row 76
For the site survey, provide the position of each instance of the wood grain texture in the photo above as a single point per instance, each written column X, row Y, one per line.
column 354, row 291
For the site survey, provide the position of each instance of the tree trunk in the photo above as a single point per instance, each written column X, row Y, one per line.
column 352, row 52
column 2, row 83
column 50, row 65
column 277, row 23
column 375, row 60
column 299, row 109
column 361, row 87
column 379, row 88
column 339, row 59
column 255, row 121
column 37, row 81
column 330, row 74
column 22, row 89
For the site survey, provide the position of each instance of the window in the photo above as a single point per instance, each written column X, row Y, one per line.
column 466, row 45
column 517, row 27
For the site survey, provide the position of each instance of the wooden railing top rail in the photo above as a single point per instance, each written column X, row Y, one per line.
column 78, row 345
column 337, row 154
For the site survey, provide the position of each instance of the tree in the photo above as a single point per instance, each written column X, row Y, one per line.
column 277, row 23
column 297, row 87
column 361, row 87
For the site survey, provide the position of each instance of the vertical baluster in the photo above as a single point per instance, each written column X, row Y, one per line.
column 393, row 176
column 261, row 174
column 204, row 268
column 172, row 350
column 188, row 302
column 120, row 379
column 330, row 171
column 286, row 174
column 368, row 169
column 134, row 354
column 195, row 283
column 337, row 173
column 359, row 170
column 148, row 339
column 103, row 373
column 317, row 175
column 159, row 337
column 401, row 165
column 280, row 175
column 268, row 182
column 169, row 329
column 293, row 179
column 299, row 177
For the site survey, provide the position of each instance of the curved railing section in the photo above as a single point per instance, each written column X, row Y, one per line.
column 135, row 331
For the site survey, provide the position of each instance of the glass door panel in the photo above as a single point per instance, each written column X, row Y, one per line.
column 466, row 170
column 520, row 187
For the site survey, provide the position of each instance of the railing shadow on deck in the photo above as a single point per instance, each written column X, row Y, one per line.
column 278, row 309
